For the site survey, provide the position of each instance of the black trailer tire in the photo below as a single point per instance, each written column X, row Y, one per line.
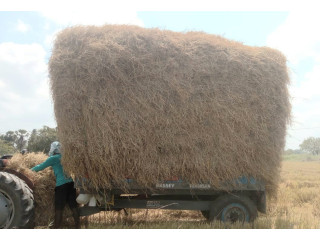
column 232, row 208
column 16, row 202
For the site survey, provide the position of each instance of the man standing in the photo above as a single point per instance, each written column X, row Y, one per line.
column 64, row 190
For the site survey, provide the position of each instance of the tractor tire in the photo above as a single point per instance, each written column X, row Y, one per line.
column 232, row 208
column 16, row 202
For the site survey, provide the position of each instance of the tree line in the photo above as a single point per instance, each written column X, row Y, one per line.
column 309, row 145
column 38, row 140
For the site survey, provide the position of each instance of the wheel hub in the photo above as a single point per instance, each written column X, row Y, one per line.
column 235, row 214
column 6, row 210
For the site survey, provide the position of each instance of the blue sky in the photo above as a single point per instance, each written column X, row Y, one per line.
column 26, row 40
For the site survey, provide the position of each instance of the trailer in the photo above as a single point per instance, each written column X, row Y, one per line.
column 239, row 201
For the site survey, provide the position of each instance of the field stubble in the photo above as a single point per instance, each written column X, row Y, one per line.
column 297, row 206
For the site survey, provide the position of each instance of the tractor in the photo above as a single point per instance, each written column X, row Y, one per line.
column 16, row 198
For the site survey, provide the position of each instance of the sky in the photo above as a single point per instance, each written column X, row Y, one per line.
column 26, row 40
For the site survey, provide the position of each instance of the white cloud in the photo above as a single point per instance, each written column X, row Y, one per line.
column 23, row 27
column 24, row 97
column 43, row 90
column 2, row 84
column 50, row 38
column 308, row 87
column 22, row 54
column 299, row 39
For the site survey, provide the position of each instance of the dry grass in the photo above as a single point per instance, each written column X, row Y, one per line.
column 154, row 104
column 296, row 207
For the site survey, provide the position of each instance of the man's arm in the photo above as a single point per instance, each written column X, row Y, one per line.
column 49, row 162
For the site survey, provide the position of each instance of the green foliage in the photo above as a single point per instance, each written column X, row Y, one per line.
column 18, row 139
column 41, row 139
column 9, row 137
column 6, row 148
column 21, row 139
column 311, row 145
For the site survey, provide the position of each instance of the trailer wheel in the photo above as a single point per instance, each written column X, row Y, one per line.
column 232, row 208
column 16, row 202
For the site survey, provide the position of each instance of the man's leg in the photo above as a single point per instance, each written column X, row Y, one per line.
column 58, row 218
column 60, row 199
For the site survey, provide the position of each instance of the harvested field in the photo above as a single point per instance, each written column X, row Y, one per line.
column 152, row 104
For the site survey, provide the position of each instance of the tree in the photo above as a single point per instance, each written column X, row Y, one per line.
column 41, row 139
column 21, row 139
column 9, row 137
column 6, row 148
column 18, row 139
column 311, row 145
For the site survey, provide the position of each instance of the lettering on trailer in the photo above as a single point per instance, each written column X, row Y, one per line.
column 200, row 186
column 165, row 185
column 153, row 204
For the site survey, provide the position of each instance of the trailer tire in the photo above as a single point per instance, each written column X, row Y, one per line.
column 16, row 202
column 233, row 208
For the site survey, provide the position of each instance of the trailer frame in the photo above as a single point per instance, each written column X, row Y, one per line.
column 243, row 197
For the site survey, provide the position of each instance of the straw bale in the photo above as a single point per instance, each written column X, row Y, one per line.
column 151, row 104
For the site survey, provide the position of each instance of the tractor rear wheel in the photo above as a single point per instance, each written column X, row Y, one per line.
column 16, row 202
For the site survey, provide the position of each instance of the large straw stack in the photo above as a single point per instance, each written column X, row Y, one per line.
column 153, row 104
